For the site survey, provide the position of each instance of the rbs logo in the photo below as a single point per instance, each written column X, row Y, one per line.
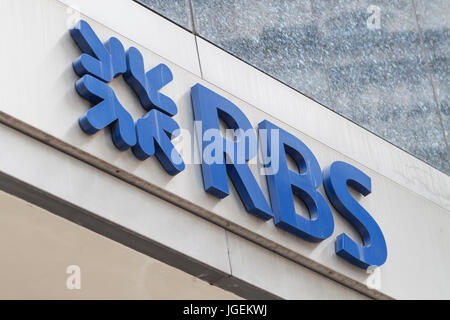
column 152, row 135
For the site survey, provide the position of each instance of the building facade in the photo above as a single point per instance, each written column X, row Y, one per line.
column 99, row 186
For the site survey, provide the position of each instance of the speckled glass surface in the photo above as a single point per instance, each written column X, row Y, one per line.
column 378, row 76
column 176, row 10
column 277, row 37
column 391, row 78
column 434, row 22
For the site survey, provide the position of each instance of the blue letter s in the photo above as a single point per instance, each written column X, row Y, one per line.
column 337, row 177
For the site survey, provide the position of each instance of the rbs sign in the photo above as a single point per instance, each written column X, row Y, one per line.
column 152, row 135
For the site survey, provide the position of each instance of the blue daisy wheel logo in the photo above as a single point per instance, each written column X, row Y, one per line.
column 97, row 66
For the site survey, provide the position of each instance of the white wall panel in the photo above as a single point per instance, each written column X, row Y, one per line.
column 279, row 275
column 140, row 24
